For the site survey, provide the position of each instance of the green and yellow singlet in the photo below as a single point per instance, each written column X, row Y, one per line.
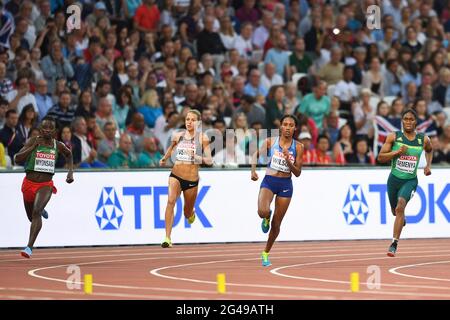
column 405, row 166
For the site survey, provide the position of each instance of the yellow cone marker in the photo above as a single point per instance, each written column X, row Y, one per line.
column 221, row 288
column 88, row 283
column 354, row 281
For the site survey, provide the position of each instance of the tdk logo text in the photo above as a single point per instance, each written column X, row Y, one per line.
column 109, row 211
column 431, row 201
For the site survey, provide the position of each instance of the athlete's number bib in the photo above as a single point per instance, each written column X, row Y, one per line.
column 185, row 151
column 45, row 162
column 279, row 163
column 406, row 164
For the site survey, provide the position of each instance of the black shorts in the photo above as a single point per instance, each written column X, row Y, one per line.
column 185, row 185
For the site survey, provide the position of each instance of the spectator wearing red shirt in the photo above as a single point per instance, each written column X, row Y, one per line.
column 323, row 144
column 147, row 16
column 94, row 49
column 248, row 12
column 309, row 155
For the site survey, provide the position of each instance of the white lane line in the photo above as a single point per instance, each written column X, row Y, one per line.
column 394, row 271
column 156, row 272
column 34, row 274
column 276, row 271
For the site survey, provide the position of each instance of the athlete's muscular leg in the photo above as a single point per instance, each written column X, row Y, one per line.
column 190, row 195
column 281, row 206
column 174, row 193
column 265, row 198
column 29, row 209
column 399, row 217
column 42, row 197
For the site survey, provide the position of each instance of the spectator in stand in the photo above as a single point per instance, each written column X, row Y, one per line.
column 3, row 108
column 21, row 97
column 309, row 155
column 322, row 154
column 65, row 137
column 10, row 137
column 252, row 111
column 63, row 112
column 123, row 157
column 346, row 89
column 317, row 105
column 279, row 56
column 150, row 156
column 344, row 145
column 362, row 154
column 248, row 13
column 28, row 119
column 84, row 155
column 299, row 60
column 254, row 86
column 147, row 17
column 43, row 98
column 85, row 104
column 275, row 107
column 138, row 130
column 56, row 66
column 270, row 77
column 166, row 124
column 333, row 71
column 109, row 144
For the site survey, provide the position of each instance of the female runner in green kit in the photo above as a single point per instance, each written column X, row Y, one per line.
column 403, row 149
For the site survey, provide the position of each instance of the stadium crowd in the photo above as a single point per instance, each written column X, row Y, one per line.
column 121, row 84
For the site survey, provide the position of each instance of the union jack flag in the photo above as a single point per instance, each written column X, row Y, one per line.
column 383, row 126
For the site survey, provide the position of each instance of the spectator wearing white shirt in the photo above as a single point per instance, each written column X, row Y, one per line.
column 363, row 114
column 270, row 77
column 19, row 98
column 227, row 33
column 244, row 41
column 24, row 24
column 261, row 33
column 346, row 90
column 166, row 124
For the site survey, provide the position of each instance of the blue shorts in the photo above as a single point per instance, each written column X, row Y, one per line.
column 282, row 187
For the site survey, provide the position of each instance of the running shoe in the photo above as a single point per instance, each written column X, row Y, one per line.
column 166, row 243
column 392, row 249
column 26, row 253
column 265, row 224
column 191, row 219
column 265, row 259
column 44, row 214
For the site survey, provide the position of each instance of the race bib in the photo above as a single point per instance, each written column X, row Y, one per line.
column 279, row 163
column 406, row 164
column 185, row 151
column 45, row 162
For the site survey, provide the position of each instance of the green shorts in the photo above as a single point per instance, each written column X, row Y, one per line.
column 400, row 188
